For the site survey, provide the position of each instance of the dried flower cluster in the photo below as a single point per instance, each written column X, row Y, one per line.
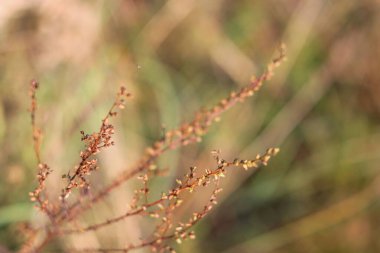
column 164, row 207
column 43, row 169
column 65, row 211
column 95, row 142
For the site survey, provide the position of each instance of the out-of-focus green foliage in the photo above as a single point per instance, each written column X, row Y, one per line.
column 322, row 108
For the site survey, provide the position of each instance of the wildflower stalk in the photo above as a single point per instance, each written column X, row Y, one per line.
column 190, row 184
column 186, row 134
column 62, row 212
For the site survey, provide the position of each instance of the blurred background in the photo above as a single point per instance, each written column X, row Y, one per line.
column 322, row 108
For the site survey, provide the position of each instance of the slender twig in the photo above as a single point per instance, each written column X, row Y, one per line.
column 184, row 135
column 190, row 185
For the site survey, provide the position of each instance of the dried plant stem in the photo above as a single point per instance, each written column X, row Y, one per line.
column 186, row 134
column 188, row 185
column 94, row 144
column 35, row 129
column 43, row 169
column 63, row 212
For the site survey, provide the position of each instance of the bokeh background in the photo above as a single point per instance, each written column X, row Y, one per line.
column 322, row 108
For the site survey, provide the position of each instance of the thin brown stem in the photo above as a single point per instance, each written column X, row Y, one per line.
column 190, row 185
column 184, row 135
